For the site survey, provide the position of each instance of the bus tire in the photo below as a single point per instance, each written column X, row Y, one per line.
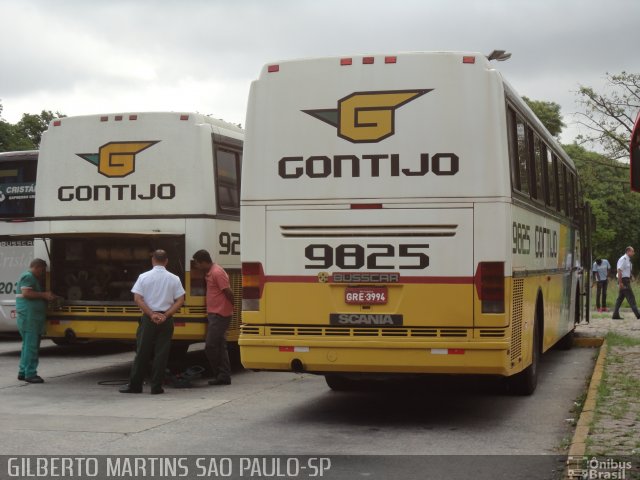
column 339, row 383
column 525, row 382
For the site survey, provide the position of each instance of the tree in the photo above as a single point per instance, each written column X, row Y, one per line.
column 548, row 113
column 609, row 116
column 33, row 126
column 605, row 185
column 26, row 134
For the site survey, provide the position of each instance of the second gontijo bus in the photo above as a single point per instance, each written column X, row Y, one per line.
column 113, row 188
column 404, row 214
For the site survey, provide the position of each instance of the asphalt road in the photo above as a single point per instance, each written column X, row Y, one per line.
column 448, row 427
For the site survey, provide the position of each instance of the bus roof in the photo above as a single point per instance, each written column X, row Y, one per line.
column 188, row 117
column 371, row 59
column 20, row 155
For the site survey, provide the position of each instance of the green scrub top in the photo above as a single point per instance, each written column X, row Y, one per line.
column 31, row 312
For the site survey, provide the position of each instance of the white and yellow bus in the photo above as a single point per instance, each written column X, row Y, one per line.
column 111, row 189
column 404, row 214
column 17, row 200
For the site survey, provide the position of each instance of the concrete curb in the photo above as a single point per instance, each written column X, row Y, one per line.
column 579, row 443
column 587, row 341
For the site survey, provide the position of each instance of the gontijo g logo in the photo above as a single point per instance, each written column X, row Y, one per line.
column 117, row 159
column 366, row 117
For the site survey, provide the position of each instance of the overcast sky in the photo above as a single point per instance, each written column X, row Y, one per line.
column 100, row 56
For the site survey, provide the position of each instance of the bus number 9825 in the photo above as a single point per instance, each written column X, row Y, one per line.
column 355, row 256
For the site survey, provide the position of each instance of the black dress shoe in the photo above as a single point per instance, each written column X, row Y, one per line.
column 130, row 389
column 21, row 376
column 220, row 381
column 34, row 379
column 616, row 317
column 157, row 390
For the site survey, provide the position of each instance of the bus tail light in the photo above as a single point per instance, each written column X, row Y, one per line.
column 252, row 285
column 490, row 286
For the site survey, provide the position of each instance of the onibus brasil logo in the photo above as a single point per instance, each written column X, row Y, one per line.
column 367, row 117
column 117, row 159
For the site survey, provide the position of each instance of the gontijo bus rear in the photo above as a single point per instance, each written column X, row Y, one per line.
column 403, row 214
column 114, row 187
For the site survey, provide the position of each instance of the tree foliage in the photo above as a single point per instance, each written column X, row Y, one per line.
column 605, row 185
column 548, row 113
column 26, row 134
column 608, row 116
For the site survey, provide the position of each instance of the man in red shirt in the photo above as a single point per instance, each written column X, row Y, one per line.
column 219, row 313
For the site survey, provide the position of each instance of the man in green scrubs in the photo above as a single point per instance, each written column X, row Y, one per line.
column 31, row 309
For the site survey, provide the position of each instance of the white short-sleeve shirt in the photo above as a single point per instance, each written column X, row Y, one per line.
column 624, row 265
column 159, row 288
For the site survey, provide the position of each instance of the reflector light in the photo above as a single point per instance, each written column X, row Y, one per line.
column 285, row 348
column 469, row 59
column 273, row 68
column 365, row 206
column 133, row 117
column 447, row 351
column 179, row 324
column 346, row 61
column 57, row 123
column 184, row 117
column 118, row 118
column 490, row 286
column 390, row 59
column 367, row 60
column 54, row 322
column 104, row 119
column 252, row 280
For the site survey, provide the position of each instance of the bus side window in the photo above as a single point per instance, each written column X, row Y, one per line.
column 573, row 194
column 563, row 188
column 538, row 169
column 523, row 155
column 227, row 163
column 552, row 172
column 513, row 148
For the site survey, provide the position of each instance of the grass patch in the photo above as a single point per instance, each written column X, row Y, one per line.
column 617, row 340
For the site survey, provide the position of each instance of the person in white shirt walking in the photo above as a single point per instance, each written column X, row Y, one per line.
column 624, row 282
column 600, row 277
column 159, row 294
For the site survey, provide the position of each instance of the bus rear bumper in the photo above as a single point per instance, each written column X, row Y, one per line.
column 371, row 357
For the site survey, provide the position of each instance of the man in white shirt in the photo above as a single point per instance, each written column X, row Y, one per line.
column 624, row 282
column 159, row 294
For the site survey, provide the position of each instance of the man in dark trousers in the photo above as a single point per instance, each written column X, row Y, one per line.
column 159, row 294
column 219, row 315
column 624, row 282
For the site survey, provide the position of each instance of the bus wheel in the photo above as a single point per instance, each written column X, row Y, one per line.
column 525, row 382
column 339, row 383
